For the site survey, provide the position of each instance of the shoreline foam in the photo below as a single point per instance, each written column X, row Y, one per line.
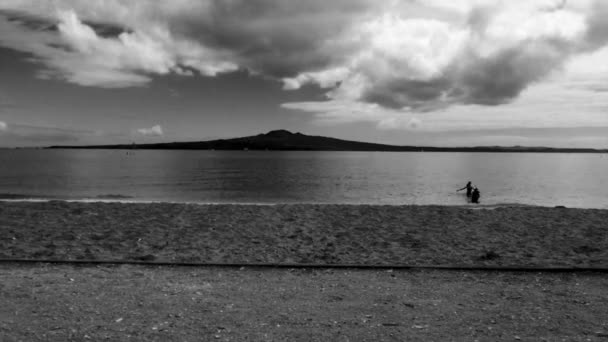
column 489, row 206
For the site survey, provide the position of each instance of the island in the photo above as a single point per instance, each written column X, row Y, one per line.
column 284, row 140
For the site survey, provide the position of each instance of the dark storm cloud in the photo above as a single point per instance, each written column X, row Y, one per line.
column 501, row 78
column 45, row 24
column 488, row 81
column 275, row 38
column 31, row 22
column 597, row 34
column 422, row 95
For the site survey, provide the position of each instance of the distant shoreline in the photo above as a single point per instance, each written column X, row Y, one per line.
column 404, row 149
column 283, row 140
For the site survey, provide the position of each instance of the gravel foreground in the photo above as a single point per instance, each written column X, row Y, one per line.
column 43, row 302
column 59, row 302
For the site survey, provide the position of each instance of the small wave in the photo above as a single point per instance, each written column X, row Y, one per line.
column 36, row 198
column 118, row 198
column 14, row 196
column 502, row 205
column 113, row 196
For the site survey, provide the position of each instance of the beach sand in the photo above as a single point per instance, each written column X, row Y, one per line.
column 50, row 302
column 302, row 233
column 143, row 303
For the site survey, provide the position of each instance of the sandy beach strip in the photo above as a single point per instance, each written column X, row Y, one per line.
column 304, row 233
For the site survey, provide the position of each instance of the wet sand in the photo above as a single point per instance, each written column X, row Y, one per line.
column 324, row 234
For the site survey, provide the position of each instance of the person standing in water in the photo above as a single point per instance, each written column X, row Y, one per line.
column 469, row 188
column 475, row 195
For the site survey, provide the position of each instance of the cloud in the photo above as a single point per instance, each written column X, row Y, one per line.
column 558, row 105
column 426, row 64
column 154, row 131
column 79, row 54
column 270, row 38
column 422, row 55
column 3, row 126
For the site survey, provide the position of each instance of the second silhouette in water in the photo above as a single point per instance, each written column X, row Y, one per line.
column 472, row 192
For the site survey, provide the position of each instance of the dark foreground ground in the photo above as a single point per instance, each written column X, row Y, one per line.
column 44, row 302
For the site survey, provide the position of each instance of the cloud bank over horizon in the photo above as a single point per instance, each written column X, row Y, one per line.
column 399, row 64
column 154, row 131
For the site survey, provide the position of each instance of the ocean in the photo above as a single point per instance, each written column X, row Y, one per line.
column 269, row 177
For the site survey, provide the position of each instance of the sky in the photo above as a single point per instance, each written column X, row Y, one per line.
column 417, row 72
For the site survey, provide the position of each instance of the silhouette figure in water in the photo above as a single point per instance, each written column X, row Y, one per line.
column 475, row 195
column 469, row 188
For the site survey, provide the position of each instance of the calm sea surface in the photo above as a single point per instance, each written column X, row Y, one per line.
column 573, row 180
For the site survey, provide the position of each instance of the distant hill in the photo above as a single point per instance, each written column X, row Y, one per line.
column 283, row 140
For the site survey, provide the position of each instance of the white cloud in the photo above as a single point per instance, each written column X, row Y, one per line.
column 154, row 131
column 79, row 55
column 414, row 56
column 558, row 105
column 425, row 64
column 3, row 126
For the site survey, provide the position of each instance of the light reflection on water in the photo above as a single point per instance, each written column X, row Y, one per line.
column 576, row 180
